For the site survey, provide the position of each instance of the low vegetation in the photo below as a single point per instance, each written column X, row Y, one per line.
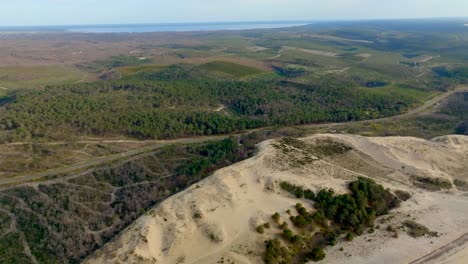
column 417, row 230
column 299, row 153
column 234, row 69
column 113, row 62
column 461, row 185
column 431, row 184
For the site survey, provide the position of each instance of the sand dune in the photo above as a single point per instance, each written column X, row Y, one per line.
column 215, row 219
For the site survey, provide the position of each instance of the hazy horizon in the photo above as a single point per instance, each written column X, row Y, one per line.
column 233, row 22
column 106, row 12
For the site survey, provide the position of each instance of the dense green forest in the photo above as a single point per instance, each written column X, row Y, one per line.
column 177, row 101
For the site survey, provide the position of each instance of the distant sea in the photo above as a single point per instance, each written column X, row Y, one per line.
column 173, row 27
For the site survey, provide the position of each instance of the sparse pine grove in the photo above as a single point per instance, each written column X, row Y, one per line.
column 336, row 217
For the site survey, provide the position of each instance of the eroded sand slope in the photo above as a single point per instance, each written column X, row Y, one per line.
column 216, row 218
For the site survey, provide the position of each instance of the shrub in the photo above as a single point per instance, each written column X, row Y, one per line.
column 288, row 234
column 432, row 184
column 349, row 236
column 317, row 254
column 402, row 195
column 276, row 217
column 297, row 191
column 284, row 225
column 260, row 229
column 276, row 253
column 416, row 230
column 299, row 221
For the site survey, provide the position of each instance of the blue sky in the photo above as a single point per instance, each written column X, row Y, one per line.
column 66, row 12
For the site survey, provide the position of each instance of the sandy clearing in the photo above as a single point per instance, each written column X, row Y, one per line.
column 424, row 58
column 216, row 218
column 220, row 108
column 364, row 56
column 329, row 37
column 339, row 70
column 256, row 48
column 312, row 51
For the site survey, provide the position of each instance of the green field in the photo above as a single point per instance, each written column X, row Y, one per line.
column 230, row 68
column 19, row 77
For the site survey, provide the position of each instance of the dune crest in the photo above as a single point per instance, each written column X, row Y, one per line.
column 216, row 219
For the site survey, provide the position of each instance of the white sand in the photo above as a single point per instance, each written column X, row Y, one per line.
column 312, row 51
column 217, row 217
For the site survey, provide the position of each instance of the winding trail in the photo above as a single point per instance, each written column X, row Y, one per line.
column 104, row 159
column 151, row 145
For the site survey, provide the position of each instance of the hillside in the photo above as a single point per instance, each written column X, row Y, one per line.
column 218, row 220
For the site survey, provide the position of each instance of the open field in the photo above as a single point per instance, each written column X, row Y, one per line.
column 29, row 77
column 233, row 69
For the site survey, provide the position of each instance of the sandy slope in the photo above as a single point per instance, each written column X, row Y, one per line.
column 217, row 217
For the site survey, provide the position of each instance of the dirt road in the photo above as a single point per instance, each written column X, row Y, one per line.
column 438, row 255
column 156, row 144
column 105, row 159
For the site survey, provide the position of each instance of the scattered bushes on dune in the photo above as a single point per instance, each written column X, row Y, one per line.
column 336, row 214
column 431, row 184
column 416, row 230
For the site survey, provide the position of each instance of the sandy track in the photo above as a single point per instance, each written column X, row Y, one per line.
column 105, row 159
column 440, row 254
column 311, row 51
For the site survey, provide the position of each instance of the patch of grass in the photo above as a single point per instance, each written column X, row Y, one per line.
column 425, row 126
column 431, row 184
column 234, row 69
column 461, row 185
column 402, row 195
column 317, row 254
column 396, row 91
column 113, row 62
column 260, row 229
column 129, row 70
column 300, row 153
column 417, row 230
column 20, row 77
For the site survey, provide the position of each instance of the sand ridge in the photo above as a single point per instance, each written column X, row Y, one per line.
column 216, row 218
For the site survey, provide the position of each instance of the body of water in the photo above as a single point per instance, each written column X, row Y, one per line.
column 172, row 27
